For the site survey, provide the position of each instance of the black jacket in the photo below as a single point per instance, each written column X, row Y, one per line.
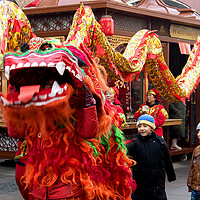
column 153, row 162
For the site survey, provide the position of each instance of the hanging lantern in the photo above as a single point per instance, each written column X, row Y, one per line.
column 107, row 24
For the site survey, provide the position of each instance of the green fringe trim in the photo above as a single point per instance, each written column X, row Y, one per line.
column 82, row 71
column 103, row 95
column 41, row 52
column 61, row 126
column 105, row 141
column 119, row 138
column 23, row 152
column 95, row 153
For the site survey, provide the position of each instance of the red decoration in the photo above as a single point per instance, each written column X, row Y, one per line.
column 107, row 24
column 33, row 4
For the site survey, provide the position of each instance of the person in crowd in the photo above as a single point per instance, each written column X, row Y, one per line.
column 177, row 111
column 194, row 175
column 153, row 161
column 154, row 108
column 112, row 95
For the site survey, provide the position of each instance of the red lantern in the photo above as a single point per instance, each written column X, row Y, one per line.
column 107, row 24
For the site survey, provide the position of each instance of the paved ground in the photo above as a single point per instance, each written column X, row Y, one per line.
column 8, row 187
column 176, row 190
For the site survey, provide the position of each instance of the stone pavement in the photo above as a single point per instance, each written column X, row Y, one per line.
column 8, row 187
column 176, row 190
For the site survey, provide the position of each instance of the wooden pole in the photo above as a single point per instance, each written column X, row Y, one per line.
column 4, row 83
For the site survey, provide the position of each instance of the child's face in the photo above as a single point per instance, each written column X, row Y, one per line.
column 144, row 129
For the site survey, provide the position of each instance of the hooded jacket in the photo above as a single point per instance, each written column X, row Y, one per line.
column 153, row 163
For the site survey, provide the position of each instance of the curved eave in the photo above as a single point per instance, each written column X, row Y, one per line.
column 116, row 6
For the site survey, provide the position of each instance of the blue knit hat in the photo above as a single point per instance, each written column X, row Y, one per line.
column 146, row 119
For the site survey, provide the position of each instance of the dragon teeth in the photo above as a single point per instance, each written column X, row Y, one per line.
column 65, row 87
column 13, row 67
column 7, row 72
column 43, row 64
column 17, row 102
column 35, row 64
column 60, row 91
column 78, row 76
column 35, row 98
column 43, row 97
column 27, row 65
column 55, row 89
column 60, row 66
column 73, row 72
column 4, row 101
column 68, row 68
column 51, row 64
column 20, row 65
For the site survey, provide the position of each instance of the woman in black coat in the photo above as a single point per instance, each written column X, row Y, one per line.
column 153, row 161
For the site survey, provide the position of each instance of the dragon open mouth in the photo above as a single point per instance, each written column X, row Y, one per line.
column 38, row 78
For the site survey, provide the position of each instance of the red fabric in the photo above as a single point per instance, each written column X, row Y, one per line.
column 19, row 172
column 20, row 169
column 119, row 109
column 87, row 123
column 12, row 132
column 87, row 127
column 117, row 102
column 32, row 4
column 158, row 116
column 116, row 92
column 100, row 50
column 129, row 76
column 184, row 48
column 58, row 190
column 118, row 112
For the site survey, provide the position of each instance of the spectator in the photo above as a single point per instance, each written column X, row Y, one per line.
column 112, row 95
column 154, row 108
column 153, row 161
column 194, row 175
column 177, row 111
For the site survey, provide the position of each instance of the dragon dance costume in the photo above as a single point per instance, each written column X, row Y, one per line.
column 60, row 159
column 86, row 127
column 72, row 147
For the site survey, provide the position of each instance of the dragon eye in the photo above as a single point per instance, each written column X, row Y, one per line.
column 46, row 46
